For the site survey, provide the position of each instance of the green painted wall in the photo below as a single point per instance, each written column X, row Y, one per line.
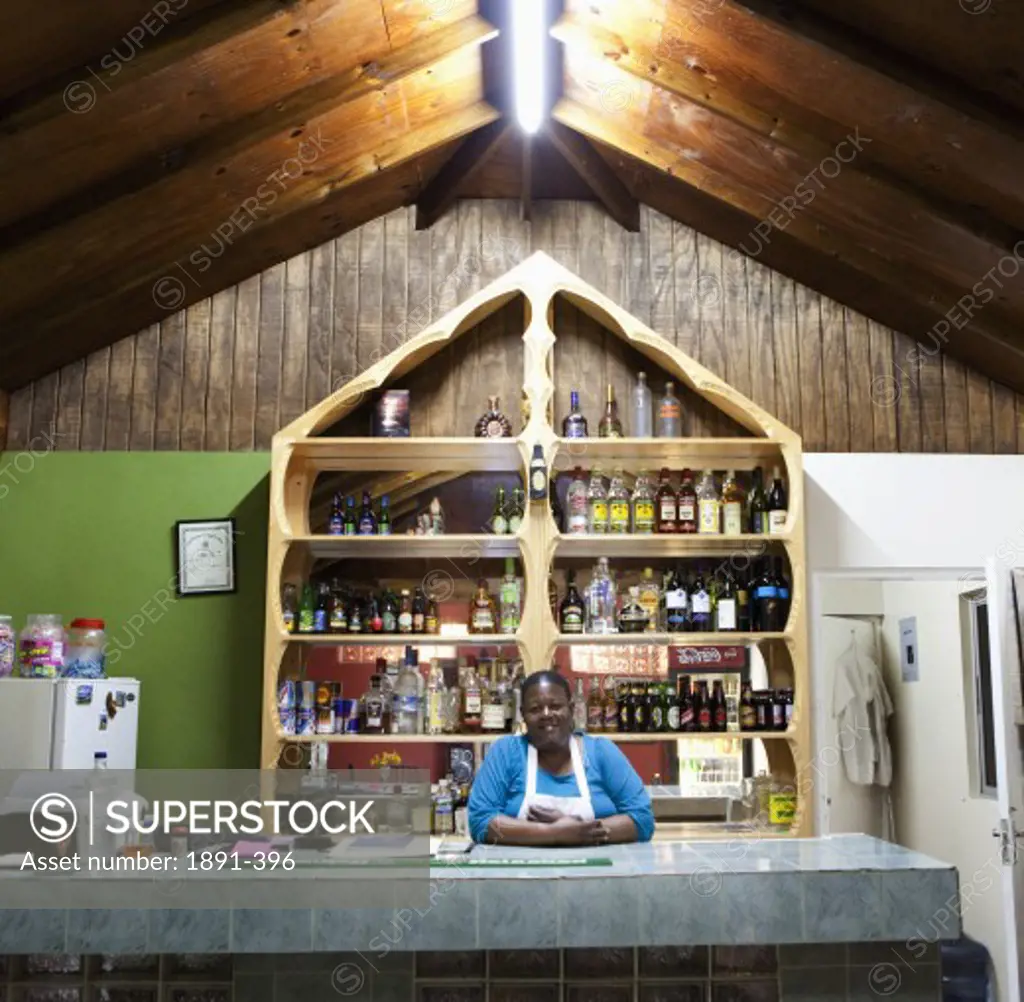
column 91, row 534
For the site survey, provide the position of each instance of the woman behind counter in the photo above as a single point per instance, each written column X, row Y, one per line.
column 550, row 787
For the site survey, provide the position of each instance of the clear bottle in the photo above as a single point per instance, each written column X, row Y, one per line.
column 444, row 810
column 642, row 504
column 574, row 425
column 708, row 505
column 576, row 503
column 405, row 699
column 472, row 702
column 618, row 504
column 595, row 707
column 492, row 696
column 601, row 600
column 733, row 501
column 650, row 600
column 435, row 697
column 597, row 503
column 579, row 707
column 510, row 599
column 643, row 422
column 670, row 414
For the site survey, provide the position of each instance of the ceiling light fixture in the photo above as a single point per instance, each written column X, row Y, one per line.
column 529, row 55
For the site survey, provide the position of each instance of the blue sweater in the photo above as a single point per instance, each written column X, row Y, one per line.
column 615, row 788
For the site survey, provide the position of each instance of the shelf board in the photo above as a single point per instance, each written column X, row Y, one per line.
column 657, row 545
column 469, row 739
column 457, row 546
column 675, row 453
column 411, row 454
column 664, row 639
column 399, row 639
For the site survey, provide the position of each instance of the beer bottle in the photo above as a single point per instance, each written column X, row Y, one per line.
column 655, row 710
column 748, row 714
column 702, row 708
column 611, row 708
column 718, row 704
column 685, row 699
column 625, row 703
column 639, row 708
column 667, row 707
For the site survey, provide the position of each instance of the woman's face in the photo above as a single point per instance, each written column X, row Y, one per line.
column 548, row 716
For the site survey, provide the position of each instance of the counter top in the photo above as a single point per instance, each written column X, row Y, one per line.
column 846, row 888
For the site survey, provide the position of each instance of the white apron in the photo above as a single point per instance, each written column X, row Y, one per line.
column 577, row 807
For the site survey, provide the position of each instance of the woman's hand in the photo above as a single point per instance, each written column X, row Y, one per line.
column 545, row 815
column 571, row 831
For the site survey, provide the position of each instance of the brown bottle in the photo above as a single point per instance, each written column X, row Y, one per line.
column 482, row 617
column 718, row 717
column 686, row 504
column 666, row 504
column 610, row 426
column 492, row 423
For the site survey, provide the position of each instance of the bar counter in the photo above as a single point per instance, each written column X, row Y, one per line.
column 838, row 889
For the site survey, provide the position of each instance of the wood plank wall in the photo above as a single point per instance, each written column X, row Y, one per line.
column 227, row 372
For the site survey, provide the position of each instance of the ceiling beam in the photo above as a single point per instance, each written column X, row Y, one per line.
column 602, row 180
column 152, row 134
column 465, row 163
column 988, row 341
column 809, row 98
column 350, row 191
column 526, row 181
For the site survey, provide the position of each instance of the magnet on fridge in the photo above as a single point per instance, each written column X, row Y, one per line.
column 119, row 698
column 103, row 721
column 83, row 695
column 130, row 697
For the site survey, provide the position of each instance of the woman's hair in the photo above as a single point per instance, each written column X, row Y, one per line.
column 550, row 677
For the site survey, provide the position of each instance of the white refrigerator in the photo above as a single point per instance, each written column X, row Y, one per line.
column 62, row 723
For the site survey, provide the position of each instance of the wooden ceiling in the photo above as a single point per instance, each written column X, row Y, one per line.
column 152, row 153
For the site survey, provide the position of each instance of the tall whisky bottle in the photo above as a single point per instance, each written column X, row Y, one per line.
column 610, row 426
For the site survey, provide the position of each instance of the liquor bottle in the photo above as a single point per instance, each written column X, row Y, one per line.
column 472, row 702
column 708, row 505
column 538, row 475
column 618, row 504
column 641, row 723
column 571, row 614
column 758, row 505
column 374, row 619
column 666, row 503
column 725, row 607
column 481, row 610
column 436, row 696
column 778, row 505
column 782, row 588
column 687, row 709
column 672, row 708
column 405, row 612
column 432, row 624
column 510, row 599
column 492, row 423
column 611, row 708
column 650, row 601
column 517, row 510
column 601, row 600
column 670, row 415
column 336, row 523
column 375, row 715
column 677, row 604
column 499, row 518
column 367, row 520
column 290, row 608
column 642, row 504
column 405, row 700
column 632, row 617
column 556, row 510
column 419, row 611
column 384, row 520
column 574, row 425
column 718, row 719
column 686, row 501
column 700, row 605
column 610, row 426
column 733, row 500
column 307, row 609
column 595, row 707
column 657, row 716
column 702, row 709
column 643, row 423
column 350, row 526
column 579, row 707
column 492, row 710
column 356, row 615
column 576, row 503
column 748, row 715
column 765, row 599
column 322, row 612
column 625, row 707
column 597, row 502
column 338, row 622
column 742, row 605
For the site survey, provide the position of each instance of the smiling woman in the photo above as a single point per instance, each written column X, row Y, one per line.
column 551, row 787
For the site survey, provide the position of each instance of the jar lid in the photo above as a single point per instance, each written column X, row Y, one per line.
column 87, row 624
column 179, row 830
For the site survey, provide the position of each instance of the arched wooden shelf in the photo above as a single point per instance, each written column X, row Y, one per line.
column 301, row 452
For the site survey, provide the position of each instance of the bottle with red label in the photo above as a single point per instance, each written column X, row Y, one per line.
column 666, row 506
column 686, row 504
column 718, row 714
column 702, row 708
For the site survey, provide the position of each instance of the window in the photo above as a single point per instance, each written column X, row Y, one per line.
column 981, row 722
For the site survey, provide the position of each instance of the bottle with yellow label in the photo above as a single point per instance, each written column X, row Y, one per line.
column 643, row 503
column 708, row 505
column 781, row 805
column 733, row 501
column 597, row 502
column 618, row 504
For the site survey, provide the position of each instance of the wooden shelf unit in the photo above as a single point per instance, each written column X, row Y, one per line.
column 476, row 739
column 301, row 453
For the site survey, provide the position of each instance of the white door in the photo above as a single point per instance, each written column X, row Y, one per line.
column 96, row 716
column 1005, row 592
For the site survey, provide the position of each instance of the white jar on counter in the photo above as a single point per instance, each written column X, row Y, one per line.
column 85, row 653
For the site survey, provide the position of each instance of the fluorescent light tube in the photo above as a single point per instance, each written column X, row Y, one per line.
column 529, row 61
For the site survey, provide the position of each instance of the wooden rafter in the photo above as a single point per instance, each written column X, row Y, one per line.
column 601, row 179
column 526, row 194
column 465, row 163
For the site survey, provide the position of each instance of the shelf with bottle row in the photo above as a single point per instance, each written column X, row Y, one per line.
column 675, row 453
column 666, row 639
column 456, row 545
column 654, row 545
column 401, row 639
column 468, row 739
column 407, row 454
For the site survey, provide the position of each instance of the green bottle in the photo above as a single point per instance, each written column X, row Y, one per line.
column 351, row 525
column 384, row 521
column 499, row 521
column 307, row 609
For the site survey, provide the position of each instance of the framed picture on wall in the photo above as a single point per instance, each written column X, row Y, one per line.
column 205, row 557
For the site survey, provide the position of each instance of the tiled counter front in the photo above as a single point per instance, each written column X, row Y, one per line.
column 818, row 973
